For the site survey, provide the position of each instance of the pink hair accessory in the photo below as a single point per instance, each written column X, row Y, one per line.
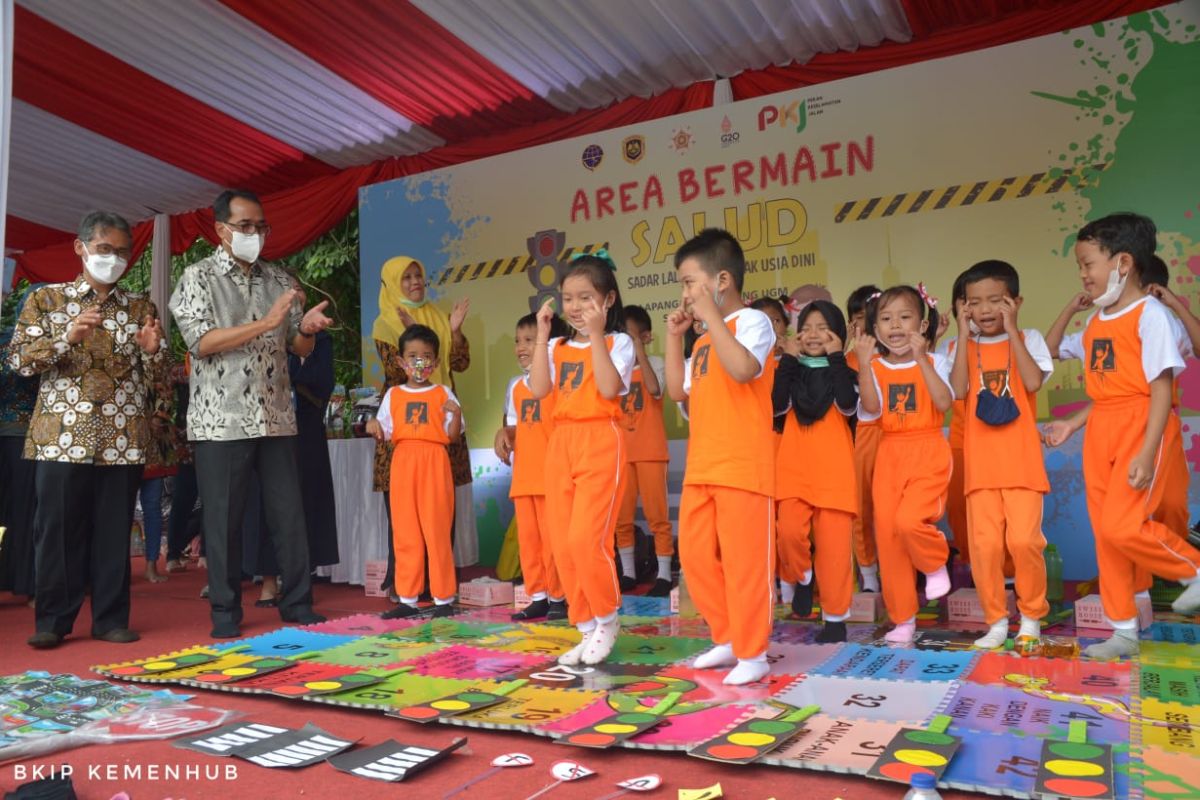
column 929, row 300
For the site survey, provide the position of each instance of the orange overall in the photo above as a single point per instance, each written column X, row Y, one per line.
column 956, row 500
column 912, row 474
column 818, row 500
column 1005, row 483
column 646, row 443
column 584, row 477
column 532, row 419
column 727, row 511
column 1127, row 538
column 866, row 445
column 422, row 491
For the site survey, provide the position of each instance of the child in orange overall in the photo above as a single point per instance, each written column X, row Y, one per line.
column 956, row 499
column 906, row 389
column 727, row 511
column 866, row 444
column 421, row 419
column 814, row 396
column 999, row 371
column 1131, row 359
column 646, row 443
column 777, row 313
column 586, row 461
column 521, row 443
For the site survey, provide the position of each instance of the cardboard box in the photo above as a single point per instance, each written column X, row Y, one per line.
column 373, row 574
column 964, row 606
column 1089, row 613
column 485, row 592
column 866, row 607
column 521, row 598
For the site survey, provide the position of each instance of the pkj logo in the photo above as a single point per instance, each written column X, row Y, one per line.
column 793, row 113
column 728, row 134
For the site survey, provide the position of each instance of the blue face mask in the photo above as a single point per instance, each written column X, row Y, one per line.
column 995, row 409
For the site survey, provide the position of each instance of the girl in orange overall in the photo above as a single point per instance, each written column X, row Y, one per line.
column 586, row 460
column 907, row 389
column 815, row 394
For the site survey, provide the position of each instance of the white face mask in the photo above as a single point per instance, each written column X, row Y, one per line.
column 973, row 328
column 1112, row 292
column 246, row 246
column 105, row 269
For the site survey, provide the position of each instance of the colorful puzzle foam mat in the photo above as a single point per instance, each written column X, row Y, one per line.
column 1003, row 708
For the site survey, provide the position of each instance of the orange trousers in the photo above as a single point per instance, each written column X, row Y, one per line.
column 585, row 474
column 1127, row 539
column 912, row 474
column 1008, row 521
column 537, row 556
column 422, row 496
column 866, row 444
column 800, row 524
column 726, row 552
column 648, row 479
column 956, row 507
column 1172, row 509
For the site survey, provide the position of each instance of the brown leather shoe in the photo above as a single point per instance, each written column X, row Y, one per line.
column 117, row 636
column 45, row 640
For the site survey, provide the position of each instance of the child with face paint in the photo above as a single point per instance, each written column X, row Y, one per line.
column 1131, row 358
column 727, row 511
column 907, row 389
column 522, row 443
column 586, row 375
column 420, row 418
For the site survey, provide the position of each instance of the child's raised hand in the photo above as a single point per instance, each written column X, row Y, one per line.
column 703, row 306
column 942, row 326
column 1079, row 302
column 1168, row 298
column 594, row 317
column 678, row 322
column 503, row 446
column 963, row 320
column 1055, row 432
column 375, row 430
column 545, row 316
column 1008, row 315
column 832, row 343
column 791, row 345
column 1141, row 471
column 864, row 347
column 920, row 345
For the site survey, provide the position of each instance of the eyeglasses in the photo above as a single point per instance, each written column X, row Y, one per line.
column 249, row 227
column 105, row 249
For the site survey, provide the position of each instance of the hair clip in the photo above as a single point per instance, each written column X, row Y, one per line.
column 875, row 296
column 600, row 253
column 929, row 301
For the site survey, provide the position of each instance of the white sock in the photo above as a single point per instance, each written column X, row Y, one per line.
column 664, row 568
column 1189, row 601
column 1123, row 642
column 787, row 591
column 995, row 638
column 748, row 670
column 602, row 640
column 937, row 584
column 575, row 654
column 628, row 568
column 408, row 601
column 443, row 602
column 806, row 578
column 903, row 633
column 870, row 578
column 1031, row 628
column 720, row 656
column 536, row 595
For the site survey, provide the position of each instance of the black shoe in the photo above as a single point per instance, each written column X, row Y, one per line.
column 225, row 630
column 425, row 597
column 802, row 599
column 832, row 632
column 558, row 610
column 535, row 610
column 661, row 588
column 401, row 611
column 117, row 636
column 44, row 640
column 446, row 610
column 305, row 617
column 627, row 584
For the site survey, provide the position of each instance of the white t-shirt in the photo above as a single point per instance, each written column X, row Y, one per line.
column 1161, row 348
column 510, row 408
column 1035, row 343
column 941, row 365
column 754, row 332
column 384, row 415
column 621, row 354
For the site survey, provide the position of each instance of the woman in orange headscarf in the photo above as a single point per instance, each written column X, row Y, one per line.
column 402, row 302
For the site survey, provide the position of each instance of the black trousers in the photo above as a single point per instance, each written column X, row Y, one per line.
column 83, row 519
column 183, row 500
column 223, row 473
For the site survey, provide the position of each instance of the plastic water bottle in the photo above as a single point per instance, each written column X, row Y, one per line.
column 1054, row 582
column 923, row 787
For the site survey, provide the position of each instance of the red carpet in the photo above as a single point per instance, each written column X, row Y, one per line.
column 171, row 615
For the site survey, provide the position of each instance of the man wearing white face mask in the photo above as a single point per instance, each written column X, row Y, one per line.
column 240, row 317
column 95, row 347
